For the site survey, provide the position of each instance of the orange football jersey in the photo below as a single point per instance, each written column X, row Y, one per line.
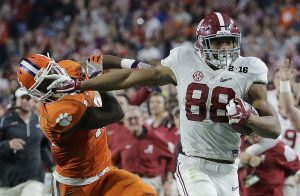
column 78, row 154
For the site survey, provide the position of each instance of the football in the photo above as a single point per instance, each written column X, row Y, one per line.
column 244, row 130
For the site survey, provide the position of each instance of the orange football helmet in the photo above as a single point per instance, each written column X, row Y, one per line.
column 31, row 73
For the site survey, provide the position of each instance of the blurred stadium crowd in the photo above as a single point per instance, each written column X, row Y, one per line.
column 144, row 30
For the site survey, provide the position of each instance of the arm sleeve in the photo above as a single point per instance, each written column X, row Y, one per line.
column 262, row 146
column 171, row 61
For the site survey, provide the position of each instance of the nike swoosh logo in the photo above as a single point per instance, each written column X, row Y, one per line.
column 235, row 188
column 225, row 79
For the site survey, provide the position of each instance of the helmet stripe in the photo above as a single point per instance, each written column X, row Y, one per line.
column 31, row 63
column 28, row 68
column 221, row 21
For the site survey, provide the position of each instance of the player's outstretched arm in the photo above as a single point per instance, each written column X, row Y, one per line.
column 115, row 79
column 96, row 63
column 121, row 79
column 286, row 95
column 267, row 123
column 97, row 117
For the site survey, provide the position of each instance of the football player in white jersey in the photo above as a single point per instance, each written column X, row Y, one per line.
column 214, row 84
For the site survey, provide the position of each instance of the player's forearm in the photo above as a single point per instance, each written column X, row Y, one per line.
column 265, row 126
column 111, row 62
column 111, row 104
column 106, row 82
column 125, row 78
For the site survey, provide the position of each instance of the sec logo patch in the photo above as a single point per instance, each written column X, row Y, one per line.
column 198, row 76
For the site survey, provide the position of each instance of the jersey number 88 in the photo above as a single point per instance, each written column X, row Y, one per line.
column 217, row 102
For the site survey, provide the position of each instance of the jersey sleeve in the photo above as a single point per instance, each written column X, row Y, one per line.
column 66, row 115
column 258, row 72
column 178, row 60
column 171, row 61
column 262, row 146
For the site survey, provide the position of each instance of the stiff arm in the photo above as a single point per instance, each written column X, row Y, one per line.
column 125, row 78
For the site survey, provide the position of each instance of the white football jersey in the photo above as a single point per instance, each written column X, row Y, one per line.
column 288, row 134
column 203, row 94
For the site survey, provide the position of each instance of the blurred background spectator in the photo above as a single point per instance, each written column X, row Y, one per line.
column 22, row 150
column 145, row 152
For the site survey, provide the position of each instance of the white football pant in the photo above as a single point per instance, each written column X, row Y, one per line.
column 200, row 177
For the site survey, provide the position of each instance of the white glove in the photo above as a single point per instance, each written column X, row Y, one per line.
column 238, row 111
column 63, row 84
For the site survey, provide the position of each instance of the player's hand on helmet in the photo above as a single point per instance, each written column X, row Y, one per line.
column 238, row 111
column 63, row 84
column 94, row 64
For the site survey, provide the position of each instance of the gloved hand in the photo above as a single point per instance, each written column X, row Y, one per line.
column 94, row 65
column 238, row 111
column 63, row 84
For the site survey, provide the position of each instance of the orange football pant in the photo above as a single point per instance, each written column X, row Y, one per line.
column 116, row 182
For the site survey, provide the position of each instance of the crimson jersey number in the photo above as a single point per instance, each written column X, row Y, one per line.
column 197, row 95
column 291, row 136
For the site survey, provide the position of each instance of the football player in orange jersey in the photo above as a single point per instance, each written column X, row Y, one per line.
column 74, row 125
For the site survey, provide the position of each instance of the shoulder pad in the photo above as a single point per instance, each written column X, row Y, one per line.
column 255, row 65
column 73, row 68
column 64, row 114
